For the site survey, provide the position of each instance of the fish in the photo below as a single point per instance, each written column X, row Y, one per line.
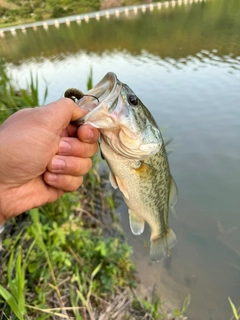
column 133, row 147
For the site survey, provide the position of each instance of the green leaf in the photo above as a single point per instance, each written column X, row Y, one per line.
column 96, row 270
column 81, row 297
column 45, row 95
column 12, row 285
column 34, row 213
column 20, row 280
column 36, row 229
column 90, row 80
column 186, row 303
column 102, row 249
column 74, row 303
column 8, row 297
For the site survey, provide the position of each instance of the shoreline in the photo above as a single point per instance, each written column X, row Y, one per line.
column 87, row 16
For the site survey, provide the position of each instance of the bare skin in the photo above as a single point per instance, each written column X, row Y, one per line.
column 42, row 156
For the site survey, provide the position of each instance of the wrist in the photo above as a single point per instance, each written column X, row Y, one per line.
column 8, row 204
column 3, row 201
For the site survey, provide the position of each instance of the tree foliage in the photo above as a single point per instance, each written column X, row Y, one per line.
column 38, row 10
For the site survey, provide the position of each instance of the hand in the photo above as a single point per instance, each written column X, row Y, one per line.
column 42, row 156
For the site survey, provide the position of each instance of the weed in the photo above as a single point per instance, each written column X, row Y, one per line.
column 12, row 99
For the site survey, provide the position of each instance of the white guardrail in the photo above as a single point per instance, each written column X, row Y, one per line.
column 96, row 15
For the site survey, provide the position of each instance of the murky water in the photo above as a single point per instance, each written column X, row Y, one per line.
column 184, row 63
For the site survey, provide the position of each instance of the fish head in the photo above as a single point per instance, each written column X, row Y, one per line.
column 125, row 124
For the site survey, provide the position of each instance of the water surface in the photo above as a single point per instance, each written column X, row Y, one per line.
column 184, row 63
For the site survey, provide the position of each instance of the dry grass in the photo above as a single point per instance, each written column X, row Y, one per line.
column 7, row 5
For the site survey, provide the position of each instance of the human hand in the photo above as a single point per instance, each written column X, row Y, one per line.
column 42, row 156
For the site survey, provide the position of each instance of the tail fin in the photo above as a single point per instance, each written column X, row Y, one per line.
column 160, row 247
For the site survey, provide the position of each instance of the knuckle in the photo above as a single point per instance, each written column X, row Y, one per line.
column 84, row 165
column 89, row 164
column 74, row 184
column 95, row 148
column 69, row 183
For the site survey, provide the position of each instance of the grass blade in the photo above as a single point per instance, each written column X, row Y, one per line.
column 11, row 283
column 20, row 281
column 96, row 270
column 8, row 297
column 234, row 309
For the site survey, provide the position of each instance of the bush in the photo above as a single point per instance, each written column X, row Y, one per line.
column 58, row 12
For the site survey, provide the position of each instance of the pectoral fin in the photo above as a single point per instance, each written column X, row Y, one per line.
column 112, row 180
column 136, row 224
column 122, row 187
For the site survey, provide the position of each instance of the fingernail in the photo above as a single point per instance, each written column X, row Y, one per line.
column 58, row 164
column 88, row 135
column 64, row 146
column 51, row 177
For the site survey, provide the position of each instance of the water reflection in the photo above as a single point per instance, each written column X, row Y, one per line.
column 106, row 13
column 183, row 30
column 183, row 62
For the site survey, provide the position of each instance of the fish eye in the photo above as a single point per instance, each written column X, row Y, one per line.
column 133, row 100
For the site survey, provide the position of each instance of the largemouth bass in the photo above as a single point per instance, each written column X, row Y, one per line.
column 132, row 145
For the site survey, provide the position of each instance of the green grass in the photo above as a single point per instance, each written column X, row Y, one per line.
column 55, row 255
column 13, row 98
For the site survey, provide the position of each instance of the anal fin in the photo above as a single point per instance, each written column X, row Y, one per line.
column 136, row 223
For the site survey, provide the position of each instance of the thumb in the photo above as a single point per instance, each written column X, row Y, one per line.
column 63, row 111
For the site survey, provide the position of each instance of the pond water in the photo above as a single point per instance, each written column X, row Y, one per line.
column 183, row 61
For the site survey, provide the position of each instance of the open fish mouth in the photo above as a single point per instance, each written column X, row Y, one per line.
column 107, row 89
column 103, row 96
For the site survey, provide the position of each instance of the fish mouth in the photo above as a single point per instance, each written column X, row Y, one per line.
column 102, row 100
column 107, row 88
